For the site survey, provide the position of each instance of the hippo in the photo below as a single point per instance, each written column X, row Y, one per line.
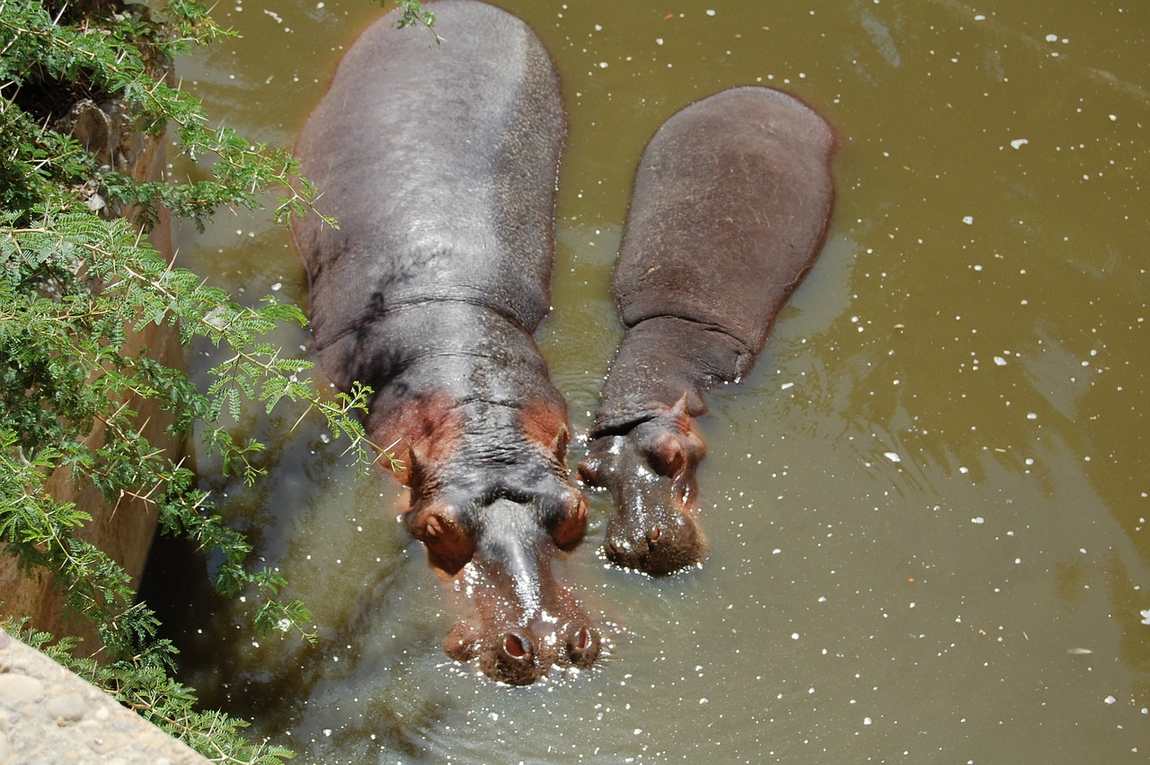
column 439, row 161
column 730, row 208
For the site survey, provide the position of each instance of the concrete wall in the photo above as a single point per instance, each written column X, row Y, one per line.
column 48, row 716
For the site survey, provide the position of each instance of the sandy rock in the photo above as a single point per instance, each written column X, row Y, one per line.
column 49, row 716
column 67, row 708
column 17, row 689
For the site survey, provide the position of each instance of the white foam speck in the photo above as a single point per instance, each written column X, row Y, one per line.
column 1110, row 700
column 1052, row 38
column 892, row 456
column 1018, row 143
column 978, row 519
column 968, row 220
column 999, row 361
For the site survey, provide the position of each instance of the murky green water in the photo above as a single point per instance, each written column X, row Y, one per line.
column 928, row 505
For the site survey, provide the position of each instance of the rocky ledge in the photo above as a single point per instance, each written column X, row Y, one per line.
column 49, row 716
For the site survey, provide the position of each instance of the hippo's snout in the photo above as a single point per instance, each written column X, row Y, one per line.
column 527, row 621
column 518, row 656
column 660, row 547
column 509, row 657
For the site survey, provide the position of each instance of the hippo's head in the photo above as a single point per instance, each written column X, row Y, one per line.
column 650, row 471
column 498, row 543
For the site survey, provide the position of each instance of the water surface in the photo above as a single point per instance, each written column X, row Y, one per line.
column 927, row 506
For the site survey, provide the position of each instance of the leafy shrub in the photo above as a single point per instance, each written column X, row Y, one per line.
column 78, row 277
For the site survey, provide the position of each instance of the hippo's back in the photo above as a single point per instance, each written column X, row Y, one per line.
column 730, row 206
column 439, row 162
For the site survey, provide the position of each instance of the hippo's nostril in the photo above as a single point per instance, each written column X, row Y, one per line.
column 582, row 646
column 654, row 534
column 512, row 659
column 515, row 646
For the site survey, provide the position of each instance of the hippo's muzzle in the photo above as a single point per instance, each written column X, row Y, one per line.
column 526, row 621
column 657, row 547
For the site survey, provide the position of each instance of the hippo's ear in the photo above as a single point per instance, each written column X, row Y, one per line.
column 680, row 407
column 414, row 469
column 450, row 545
column 559, row 443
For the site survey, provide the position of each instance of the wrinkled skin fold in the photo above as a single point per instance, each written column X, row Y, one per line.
column 440, row 162
column 730, row 208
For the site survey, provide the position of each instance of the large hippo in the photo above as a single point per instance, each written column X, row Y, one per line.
column 439, row 162
column 730, row 209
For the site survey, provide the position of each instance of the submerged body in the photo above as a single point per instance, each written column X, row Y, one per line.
column 439, row 162
column 730, row 208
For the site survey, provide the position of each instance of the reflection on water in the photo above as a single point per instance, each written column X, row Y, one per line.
column 928, row 505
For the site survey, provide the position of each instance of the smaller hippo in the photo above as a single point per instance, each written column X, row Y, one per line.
column 731, row 205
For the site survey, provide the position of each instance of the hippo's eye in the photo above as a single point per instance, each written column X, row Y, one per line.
column 591, row 470
column 667, row 457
